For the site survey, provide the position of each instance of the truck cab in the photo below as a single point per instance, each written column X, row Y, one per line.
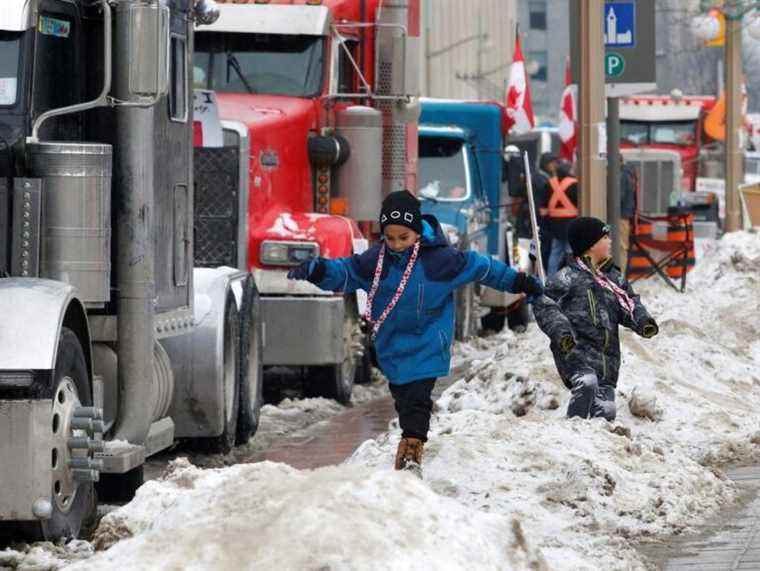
column 461, row 144
column 665, row 139
column 113, row 345
column 319, row 99
column 451, row 187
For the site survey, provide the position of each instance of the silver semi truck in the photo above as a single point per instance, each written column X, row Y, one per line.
column 112, row 345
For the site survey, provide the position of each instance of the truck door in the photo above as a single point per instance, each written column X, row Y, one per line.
column 58, row 74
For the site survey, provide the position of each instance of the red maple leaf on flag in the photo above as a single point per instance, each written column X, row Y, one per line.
column 518, row 104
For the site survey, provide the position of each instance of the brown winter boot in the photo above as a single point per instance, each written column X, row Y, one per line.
column 409, row 455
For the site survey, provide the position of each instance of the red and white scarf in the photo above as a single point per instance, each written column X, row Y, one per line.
column 622, row 297
column 396, row 296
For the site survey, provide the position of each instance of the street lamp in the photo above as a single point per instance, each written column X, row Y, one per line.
column 708, row 27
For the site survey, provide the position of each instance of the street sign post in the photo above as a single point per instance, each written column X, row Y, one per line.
column 629, row 38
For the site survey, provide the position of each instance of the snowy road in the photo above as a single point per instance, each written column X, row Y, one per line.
column 509, row 482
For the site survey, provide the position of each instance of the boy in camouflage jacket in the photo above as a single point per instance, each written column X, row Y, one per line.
column 581, row 310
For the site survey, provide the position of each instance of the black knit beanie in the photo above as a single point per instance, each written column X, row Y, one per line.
column 402, row 208
column 584, row 232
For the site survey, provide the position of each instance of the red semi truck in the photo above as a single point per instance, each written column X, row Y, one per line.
column 666, row 139
column 318, row 105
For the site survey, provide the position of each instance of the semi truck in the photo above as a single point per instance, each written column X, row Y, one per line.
column 113, row 345
column 319, row 109
column 666, row 139
column 461, row 168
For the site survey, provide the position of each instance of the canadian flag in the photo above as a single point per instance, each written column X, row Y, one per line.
column 567, row 118
column 519, row 108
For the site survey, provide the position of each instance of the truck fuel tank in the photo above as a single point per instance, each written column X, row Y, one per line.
column 76, row 216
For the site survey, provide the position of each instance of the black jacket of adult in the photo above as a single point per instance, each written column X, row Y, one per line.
column 575, row 305
column 628, row 183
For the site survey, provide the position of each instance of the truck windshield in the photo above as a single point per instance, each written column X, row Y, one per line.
column 10, row 50
column 662, row 133
column 443, row 166
column 259, row 63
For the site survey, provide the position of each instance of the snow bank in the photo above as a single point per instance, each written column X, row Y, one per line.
column 584, row 489
column 509, row 483
column 270, row 516
column 44, row 556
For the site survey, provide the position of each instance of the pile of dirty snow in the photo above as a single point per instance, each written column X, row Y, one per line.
column 271, row 516
column 509, row 482
column 583, row 489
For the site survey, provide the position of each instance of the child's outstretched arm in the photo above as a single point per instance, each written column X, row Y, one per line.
column 341, row 274
column 640, row 322
column 476, row 267
column 549, row 316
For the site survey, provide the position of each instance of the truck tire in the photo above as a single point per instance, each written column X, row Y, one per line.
column 364, row 365
column 251, row 369
column 120, row 488
column 465, row 311
column 518, row 319
column 72, row 513
column 337, row 381
column 224, row 443
column 493, row 321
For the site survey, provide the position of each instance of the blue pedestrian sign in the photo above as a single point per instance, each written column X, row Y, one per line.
column 620, row 24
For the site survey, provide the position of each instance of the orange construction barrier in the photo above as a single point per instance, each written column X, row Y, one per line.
column 670, row 256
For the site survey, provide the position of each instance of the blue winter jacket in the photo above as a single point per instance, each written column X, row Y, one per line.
column 414, row 342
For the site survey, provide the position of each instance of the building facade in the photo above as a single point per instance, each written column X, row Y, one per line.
column 467, row 48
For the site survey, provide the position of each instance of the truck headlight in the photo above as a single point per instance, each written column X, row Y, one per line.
column 287, row 253
column 451, row 233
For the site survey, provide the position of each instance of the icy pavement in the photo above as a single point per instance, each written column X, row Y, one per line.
column 509, row 483
column 290, row 420
column 731, row 542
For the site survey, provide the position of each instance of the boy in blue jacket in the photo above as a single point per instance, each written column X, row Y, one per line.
column 411, row 277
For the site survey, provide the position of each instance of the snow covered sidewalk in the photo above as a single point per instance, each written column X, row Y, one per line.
column 509, row 482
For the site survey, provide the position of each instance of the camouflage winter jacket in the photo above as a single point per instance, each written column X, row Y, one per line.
column 576, row 306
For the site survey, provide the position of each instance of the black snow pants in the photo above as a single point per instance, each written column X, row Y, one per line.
column 590, row 399
column 414, row 406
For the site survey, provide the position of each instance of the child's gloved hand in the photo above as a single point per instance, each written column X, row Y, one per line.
column 566, row 344
column 650, row 329
column 529, row 285
column 311, row 270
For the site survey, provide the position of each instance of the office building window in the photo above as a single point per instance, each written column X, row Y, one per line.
column 538, row 65
column 537, row 10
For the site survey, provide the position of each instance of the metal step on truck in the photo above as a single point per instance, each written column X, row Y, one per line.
column 112, row 345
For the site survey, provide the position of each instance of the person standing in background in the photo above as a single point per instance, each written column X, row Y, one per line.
column 547, row 169
column 561, row 210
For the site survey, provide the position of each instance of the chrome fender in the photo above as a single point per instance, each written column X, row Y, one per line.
column 33, row 313
column 198, row 358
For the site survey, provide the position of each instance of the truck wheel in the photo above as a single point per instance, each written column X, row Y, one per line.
column 493, row 321
column 337, row 381
column 519, row 318
column 74, row 501
column 251, row 370
column 120, row 488
column 223, row 443
column 364, row 366
column 465, row 310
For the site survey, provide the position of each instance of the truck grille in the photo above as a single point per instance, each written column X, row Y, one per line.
column 659, row 174
column 216, row 206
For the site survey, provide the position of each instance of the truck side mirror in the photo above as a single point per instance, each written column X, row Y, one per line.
column 147, row 45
